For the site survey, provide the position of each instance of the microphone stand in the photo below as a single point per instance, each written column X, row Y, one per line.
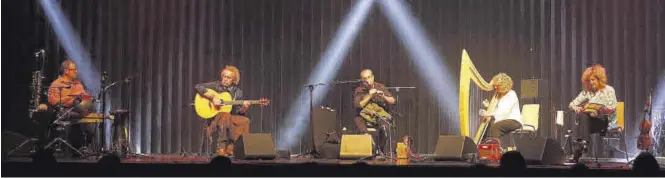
column 392, row 124
column 313, row 152
column 102, row 91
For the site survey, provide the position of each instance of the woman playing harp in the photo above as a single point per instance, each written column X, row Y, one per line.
column 504, row 106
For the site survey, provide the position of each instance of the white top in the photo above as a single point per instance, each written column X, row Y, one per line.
column 508, row 107
column 606, row 97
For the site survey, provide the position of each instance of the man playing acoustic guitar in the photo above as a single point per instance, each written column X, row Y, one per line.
column 371, row 100
column 234, row 121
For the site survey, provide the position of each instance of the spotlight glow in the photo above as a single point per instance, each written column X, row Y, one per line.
column 325, row 71
column 426, row 59
column 71, row 44
column 75, row 51
column 658, row 113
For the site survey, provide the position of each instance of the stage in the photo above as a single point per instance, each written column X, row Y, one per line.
column 190, row 165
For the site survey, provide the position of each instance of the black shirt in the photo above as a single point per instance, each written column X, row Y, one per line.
column 235, row 92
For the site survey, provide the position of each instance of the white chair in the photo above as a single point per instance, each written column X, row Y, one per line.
column 530, row 118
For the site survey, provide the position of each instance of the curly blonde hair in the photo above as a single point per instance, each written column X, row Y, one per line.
column 503, row 81
column 235, row 71
column 597, row 71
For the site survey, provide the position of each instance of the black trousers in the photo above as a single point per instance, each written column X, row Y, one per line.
column 41, row 125
column 380, row 136
column 503, row 127
column 78, row 135
column 589, row 130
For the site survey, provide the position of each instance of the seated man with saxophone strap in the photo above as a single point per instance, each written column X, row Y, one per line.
column 371, row 100
column 504, row 107
column 235, row 121
column 595, row 107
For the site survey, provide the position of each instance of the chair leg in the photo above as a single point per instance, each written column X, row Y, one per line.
column 607, row 145
column 625, row 146
column 512, row 141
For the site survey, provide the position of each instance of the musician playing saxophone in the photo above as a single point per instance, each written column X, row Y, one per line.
column 371, row 94
column 235, row 121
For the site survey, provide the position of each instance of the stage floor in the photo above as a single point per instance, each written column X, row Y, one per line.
column 190, row 165
column 614, row 164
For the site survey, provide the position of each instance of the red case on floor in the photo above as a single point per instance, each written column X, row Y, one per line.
column 490, row 152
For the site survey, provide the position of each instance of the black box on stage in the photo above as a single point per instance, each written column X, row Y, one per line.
column 254, row 146
column 325, row 126
column 539, row 150
column 454, row 148
column 534, row 88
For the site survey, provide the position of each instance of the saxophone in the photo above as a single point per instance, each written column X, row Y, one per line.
column 36, row 91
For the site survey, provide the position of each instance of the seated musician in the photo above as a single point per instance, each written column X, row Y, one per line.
column 595, row 107
column 504, row 107
column 369, row 93
column 67, row 92
column 235, row 121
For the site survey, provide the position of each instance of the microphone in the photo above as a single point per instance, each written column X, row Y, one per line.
column 40, row 53
column 104, row 76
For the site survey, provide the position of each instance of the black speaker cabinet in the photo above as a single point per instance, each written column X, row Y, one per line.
column 254, row 146
column 454, row 148
column 325, row 125
column 539, row 150
column 533, row 88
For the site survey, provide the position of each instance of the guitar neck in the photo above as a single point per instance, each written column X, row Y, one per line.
column 238, row 102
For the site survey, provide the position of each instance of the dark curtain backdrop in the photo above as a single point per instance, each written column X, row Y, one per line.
column 171, row 45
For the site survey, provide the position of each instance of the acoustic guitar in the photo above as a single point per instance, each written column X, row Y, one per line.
column 206, row 109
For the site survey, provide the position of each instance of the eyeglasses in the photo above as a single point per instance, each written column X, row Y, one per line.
column 72, row 69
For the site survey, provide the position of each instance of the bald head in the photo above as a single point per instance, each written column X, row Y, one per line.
column 367, row 76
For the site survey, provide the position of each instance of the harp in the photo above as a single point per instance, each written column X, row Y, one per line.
column 469, row 72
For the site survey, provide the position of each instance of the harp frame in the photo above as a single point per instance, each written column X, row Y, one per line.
column 468, row 72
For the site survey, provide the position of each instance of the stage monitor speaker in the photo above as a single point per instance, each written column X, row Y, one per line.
column 329, row 151
column 454, row 148
column 533, row 88
column 12, row 141
column 254, row 146
column 355, row 146
column 325, row 125
column 539, row 150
